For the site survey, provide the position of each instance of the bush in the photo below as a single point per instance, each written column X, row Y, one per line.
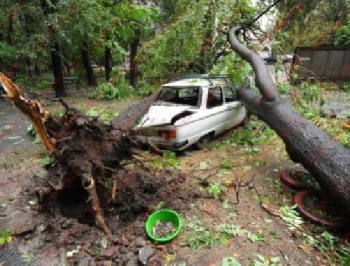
column 116, row 89
column 345, row 86
column 283, row 88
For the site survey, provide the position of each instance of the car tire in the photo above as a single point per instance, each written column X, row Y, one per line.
column 203, row 141
column 291, row 178
column 245, row 121
column 300, row 199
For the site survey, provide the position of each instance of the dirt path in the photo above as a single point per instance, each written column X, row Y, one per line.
column 65, row 234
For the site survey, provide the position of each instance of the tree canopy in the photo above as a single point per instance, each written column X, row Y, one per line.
column 164, row 38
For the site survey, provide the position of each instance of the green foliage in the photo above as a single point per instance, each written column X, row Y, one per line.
column 257, row 133
column 167, row 161
column 291, row 217
column 47, row 159
column 330, row 246
column 7, row 53
column 189, row 41
column 322, row 18
column 31, row 131
column 227, row 164
column 342, row 36
column 105, row 90
column 231, row 230
column 144, row 89
column 345, row 86
column 284, row 87
column 263, row 261
column 197, row 234
column 112, row 90
column 5, row 237
column 253, row 237
column 230, row 261
column 234, row 66
column 307, row 99
column 216, row 190
column 102, row 115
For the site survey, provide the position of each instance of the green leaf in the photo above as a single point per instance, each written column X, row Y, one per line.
column 230, row 261
column 203, row 165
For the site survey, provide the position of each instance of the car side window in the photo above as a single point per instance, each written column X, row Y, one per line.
column 230, row 94
column 214, row 97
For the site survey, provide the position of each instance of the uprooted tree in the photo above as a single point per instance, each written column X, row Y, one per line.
column 81, row 147
column 326, row 159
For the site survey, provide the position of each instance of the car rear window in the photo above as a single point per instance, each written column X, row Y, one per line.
column 182, row 95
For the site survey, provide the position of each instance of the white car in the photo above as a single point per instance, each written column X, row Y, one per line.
column 191, row 110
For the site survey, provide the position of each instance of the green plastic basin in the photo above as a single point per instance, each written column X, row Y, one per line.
column 166, row 216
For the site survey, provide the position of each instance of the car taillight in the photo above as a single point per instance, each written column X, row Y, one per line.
column 167, row 134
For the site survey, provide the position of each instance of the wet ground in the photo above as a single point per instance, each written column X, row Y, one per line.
column 65, row 234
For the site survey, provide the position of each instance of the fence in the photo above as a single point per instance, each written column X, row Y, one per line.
column 330, row 64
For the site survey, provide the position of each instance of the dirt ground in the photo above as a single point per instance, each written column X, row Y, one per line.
column 66, row 234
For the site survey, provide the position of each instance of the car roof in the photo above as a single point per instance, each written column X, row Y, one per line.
column 198, row 82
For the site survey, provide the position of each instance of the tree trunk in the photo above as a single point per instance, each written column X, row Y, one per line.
column 88, row 68
column 327, row 160
column 208, row 23
column 133, row 52
column 108, row 63
column 9, row 30
column 56, row 59
column 57, row 70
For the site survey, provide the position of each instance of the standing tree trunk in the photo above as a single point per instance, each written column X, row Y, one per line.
column 57, row 70
column 133, row 52
column 56, row 60
column 327, row 160
column 88, row 68
column 108, row 63
column 9, row 29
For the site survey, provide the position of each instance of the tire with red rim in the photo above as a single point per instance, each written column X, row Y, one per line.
column 291, row 177
column 300, row 199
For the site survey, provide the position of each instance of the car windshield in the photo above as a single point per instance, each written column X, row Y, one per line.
column 181, row 95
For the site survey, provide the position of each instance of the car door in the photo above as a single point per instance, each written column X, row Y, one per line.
column 216, row 111
column 235, row 111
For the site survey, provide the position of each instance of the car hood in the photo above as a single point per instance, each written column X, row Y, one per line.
column 161, row 115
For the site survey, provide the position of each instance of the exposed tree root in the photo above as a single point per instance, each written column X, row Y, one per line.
column 90, row 186
column 81, row 147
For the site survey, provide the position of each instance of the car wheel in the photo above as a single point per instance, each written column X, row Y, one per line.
column 203, row 141
column 246, row 120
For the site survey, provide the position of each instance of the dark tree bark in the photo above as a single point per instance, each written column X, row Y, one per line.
column 9, row 30
column 57, row 70
column 133, row 52
column 327, row 160
column 108, row 63
column 88, row 68
column 56, row 59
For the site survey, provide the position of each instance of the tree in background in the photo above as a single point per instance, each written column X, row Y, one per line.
column 54, row 33
column 342, row 36
column 189, row 38
column 309, row 23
